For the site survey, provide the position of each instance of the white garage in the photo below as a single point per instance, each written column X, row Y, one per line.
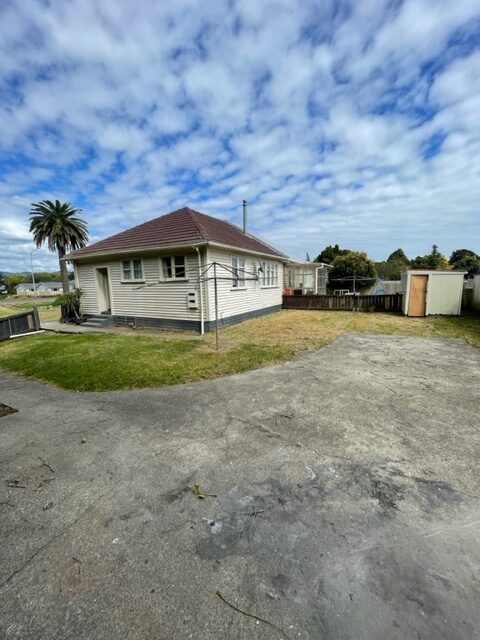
column 429, row 293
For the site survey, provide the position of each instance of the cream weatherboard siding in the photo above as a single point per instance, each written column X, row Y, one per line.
column 167, row 301
column 85, row 280
column 152, row 298
column 236, row 301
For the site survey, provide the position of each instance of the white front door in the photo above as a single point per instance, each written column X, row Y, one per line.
column 103, row 290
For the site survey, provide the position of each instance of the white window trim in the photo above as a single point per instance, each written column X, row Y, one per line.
column 263, row 275
column 172, row 279
column 131, row 280
column 243, row 287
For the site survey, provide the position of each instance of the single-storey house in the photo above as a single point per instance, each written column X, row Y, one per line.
column 41, row 289
column 49, row 288
column 172, row 271
column 428, row 292
column 25, row 289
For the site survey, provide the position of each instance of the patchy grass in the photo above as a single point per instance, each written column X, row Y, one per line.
column 127, row 359
column 100, row 362
column 46, row 310
column 305, row 330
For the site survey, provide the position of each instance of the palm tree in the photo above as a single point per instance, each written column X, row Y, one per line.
column 58, row 225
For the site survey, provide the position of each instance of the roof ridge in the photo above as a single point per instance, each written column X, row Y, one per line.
column 193, row 215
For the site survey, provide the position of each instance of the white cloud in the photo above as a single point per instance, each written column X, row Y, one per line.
column 352, row 124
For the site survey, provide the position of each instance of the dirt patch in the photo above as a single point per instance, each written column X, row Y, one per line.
column 387, row 494
column 5, row 410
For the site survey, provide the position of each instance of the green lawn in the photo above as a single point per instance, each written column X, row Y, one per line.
column 46, row 310
column 108, row 361
column 100, row 362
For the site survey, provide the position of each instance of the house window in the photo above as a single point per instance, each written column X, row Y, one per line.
column 132, row 270
column 269, row 277
column 174, row 267
column 238, row 270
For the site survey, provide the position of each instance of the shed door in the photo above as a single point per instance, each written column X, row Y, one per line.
column 418, row 296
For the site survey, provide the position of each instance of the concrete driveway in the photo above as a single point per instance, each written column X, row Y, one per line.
column 346, row 502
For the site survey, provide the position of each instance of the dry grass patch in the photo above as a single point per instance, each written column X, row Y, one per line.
column 305, row 330
column 128, row 358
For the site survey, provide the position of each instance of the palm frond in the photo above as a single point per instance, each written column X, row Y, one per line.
column 58, row 226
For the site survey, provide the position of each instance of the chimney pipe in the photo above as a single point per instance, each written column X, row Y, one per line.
column 245, row 216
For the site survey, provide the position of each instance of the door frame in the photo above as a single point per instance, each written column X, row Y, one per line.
column 109, row 286
column 426, row 276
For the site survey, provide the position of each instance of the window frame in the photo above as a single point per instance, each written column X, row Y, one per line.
column 131, row 269
column 238, row 273
column 269, row 276
column 173, row 267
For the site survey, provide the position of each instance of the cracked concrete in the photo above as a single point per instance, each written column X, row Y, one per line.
column 346, row 502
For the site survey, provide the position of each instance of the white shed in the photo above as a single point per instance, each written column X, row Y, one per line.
column 432, row 293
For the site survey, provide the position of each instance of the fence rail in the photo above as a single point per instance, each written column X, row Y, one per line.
column 388, row 302
column 19, row 324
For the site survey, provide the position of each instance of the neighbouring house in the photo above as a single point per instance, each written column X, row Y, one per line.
column 25, row 289
column 427, row 292
column 49, row 288
column 306, row 277
column 168, row 273
column 40, row 289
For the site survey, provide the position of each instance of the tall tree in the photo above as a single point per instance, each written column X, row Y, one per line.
column 398, row 256
column 58, row 225
column 352, row 271
column 392, row 268
column 466, row 260
column 433, row 260
column 329, row 254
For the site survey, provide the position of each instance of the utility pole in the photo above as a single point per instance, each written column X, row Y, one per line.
column 33, row 276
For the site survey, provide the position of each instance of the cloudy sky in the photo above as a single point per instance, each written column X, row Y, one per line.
column 349, row 122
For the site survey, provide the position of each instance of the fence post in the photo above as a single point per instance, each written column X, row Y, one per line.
column 36, row 319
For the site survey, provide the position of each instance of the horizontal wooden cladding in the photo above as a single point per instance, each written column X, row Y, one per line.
column 388, row 302
column 150, row 298
column 252, row 296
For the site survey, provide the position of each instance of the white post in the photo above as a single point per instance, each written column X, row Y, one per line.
column 33, row 275
column 216, row 303
column 200, row 285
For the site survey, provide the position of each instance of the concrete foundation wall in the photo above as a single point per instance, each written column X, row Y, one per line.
column 173, row 324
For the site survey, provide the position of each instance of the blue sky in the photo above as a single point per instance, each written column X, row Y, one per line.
column 341, row 122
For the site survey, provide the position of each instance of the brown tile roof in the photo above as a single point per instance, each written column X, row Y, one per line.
column 178, row 228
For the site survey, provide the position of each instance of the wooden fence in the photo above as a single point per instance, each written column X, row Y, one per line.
column 19, row 324
column 388, row 302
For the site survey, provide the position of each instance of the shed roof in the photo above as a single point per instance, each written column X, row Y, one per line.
column 447, row 272
column 182, row 227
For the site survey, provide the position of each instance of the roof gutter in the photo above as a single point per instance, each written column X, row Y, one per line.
column 127, row 252
column 163, row 249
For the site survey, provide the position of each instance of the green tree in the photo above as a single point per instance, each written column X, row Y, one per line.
column 392, row 268
column 433, row 260
column 329, row 254
column 398, row 256
column 13, row 280
column 58, row 225
column 466, row 260
column 353, row 265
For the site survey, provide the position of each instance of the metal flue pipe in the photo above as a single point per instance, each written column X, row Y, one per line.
column 245, row 216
